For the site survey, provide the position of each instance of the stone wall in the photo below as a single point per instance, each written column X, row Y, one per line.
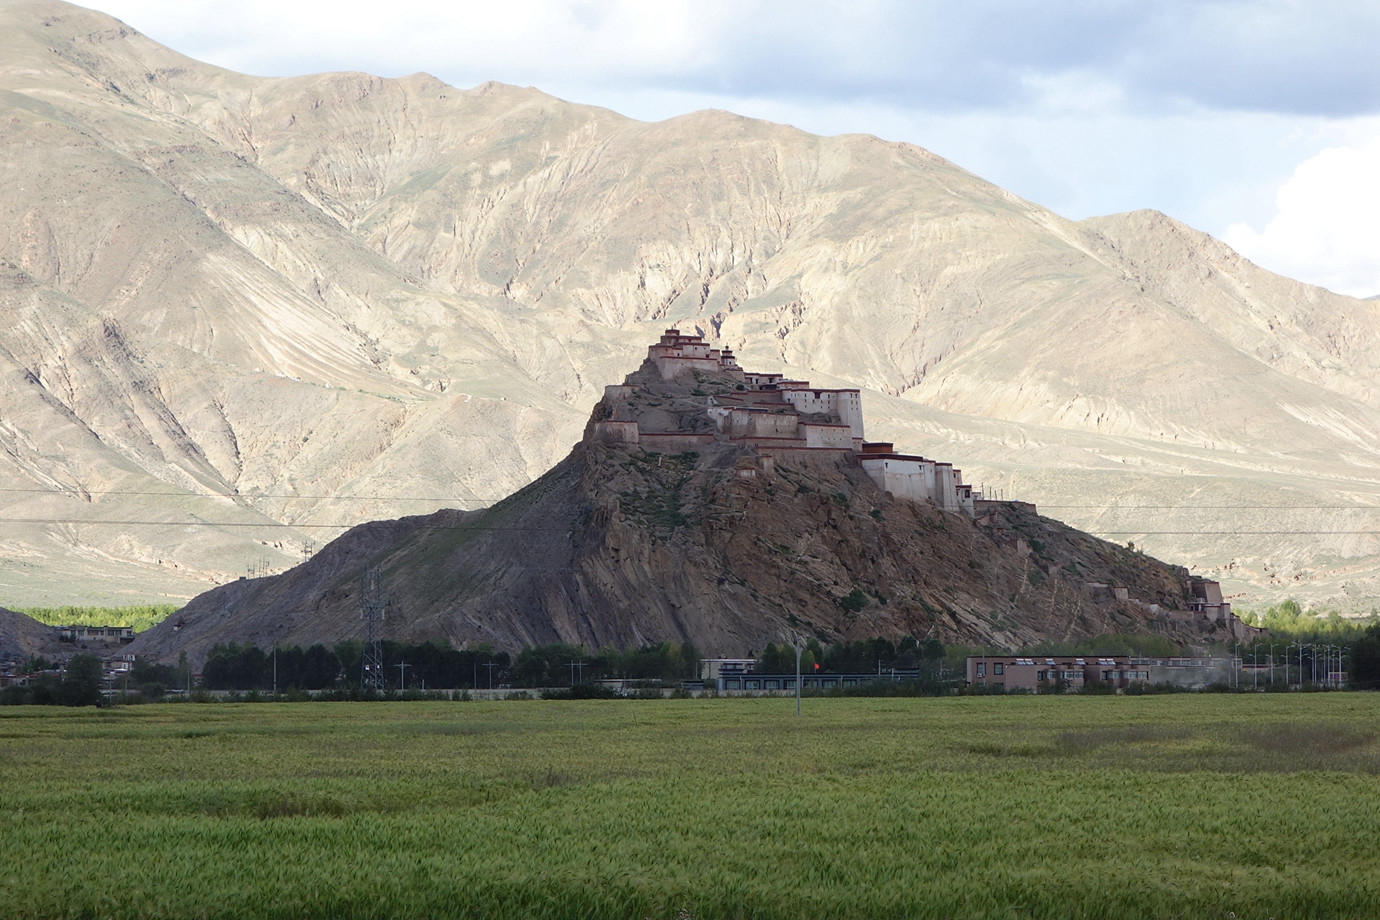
column 610, row 432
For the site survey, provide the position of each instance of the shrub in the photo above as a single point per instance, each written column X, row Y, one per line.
column 855, row 601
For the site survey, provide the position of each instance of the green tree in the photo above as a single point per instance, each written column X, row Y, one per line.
column 1365, row 659
column 82, row 684
column 549, row 666
column 320, row 668
column 773, row 660
column 36, row 663
column 855, row 600
column 350, row 654
column 689, row 661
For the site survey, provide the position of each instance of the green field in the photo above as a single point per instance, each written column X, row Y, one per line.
column 1157, row 806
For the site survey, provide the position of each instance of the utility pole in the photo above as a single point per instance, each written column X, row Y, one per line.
column 402, row 676
column 490, row 665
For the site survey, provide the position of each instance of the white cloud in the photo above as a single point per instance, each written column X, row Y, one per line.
column 1198, row 108
column 1326, row 228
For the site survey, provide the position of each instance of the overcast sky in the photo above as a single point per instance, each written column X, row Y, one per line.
column 1257, row 121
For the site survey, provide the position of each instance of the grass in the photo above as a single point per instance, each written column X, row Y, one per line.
column 1192, row 806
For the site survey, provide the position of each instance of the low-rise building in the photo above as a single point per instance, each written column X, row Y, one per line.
column 121, row 634
column 750, row 682
column 1191, row 672
column 1058, row 672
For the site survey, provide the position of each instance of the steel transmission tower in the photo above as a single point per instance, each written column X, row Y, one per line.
column 373, row 600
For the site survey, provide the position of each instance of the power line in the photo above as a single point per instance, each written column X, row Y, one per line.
column 535, row 529
column 1111, row 509
column 255, row 496
column 244, row 495
column 83, row 521
column 1104, row 506
column 1231, row 533
column 1215, row 508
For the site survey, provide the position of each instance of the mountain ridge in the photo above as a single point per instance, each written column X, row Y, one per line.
column 294, row 304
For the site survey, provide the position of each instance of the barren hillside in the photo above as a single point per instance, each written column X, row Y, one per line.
column 247, row 313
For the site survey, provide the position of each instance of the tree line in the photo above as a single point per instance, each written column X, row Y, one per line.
column 79, row 684
column 1289, row 621
column 860, row 656
column 436, row 665
column 564, row 665
column 138, row 617
column 430, row 665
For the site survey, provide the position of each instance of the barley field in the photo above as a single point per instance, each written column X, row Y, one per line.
column 1025, row 807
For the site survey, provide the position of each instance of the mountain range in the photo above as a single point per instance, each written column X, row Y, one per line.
column 244, row 314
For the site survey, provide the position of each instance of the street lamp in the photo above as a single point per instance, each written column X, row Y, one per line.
column 797, row 676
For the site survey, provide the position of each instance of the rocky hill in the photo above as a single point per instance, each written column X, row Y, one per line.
column 245, row 314
column 724, row 545
column 22, row 637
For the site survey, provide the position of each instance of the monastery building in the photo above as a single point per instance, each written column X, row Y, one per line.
column 776, row 418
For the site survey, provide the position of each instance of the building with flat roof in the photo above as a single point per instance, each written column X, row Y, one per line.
column 750, row 682
column 121, row 634
column 1050, row 673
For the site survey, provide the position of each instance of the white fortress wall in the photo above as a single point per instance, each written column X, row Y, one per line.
column 845, row 405
column 610, row 432
column 672, row 366
column 903, row 477
column 772, row 425
column 965, row 499
column 945, row 487
column 831, row 436
column 740, row 422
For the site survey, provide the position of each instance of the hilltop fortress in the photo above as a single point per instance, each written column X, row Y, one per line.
column 766, row 415
column 688, row 396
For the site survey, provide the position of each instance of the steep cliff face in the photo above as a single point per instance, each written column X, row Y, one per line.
column 621, row 546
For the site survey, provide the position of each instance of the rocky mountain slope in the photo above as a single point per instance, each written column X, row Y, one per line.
column 22, row 637
column 621, row 546
column 246, row 313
